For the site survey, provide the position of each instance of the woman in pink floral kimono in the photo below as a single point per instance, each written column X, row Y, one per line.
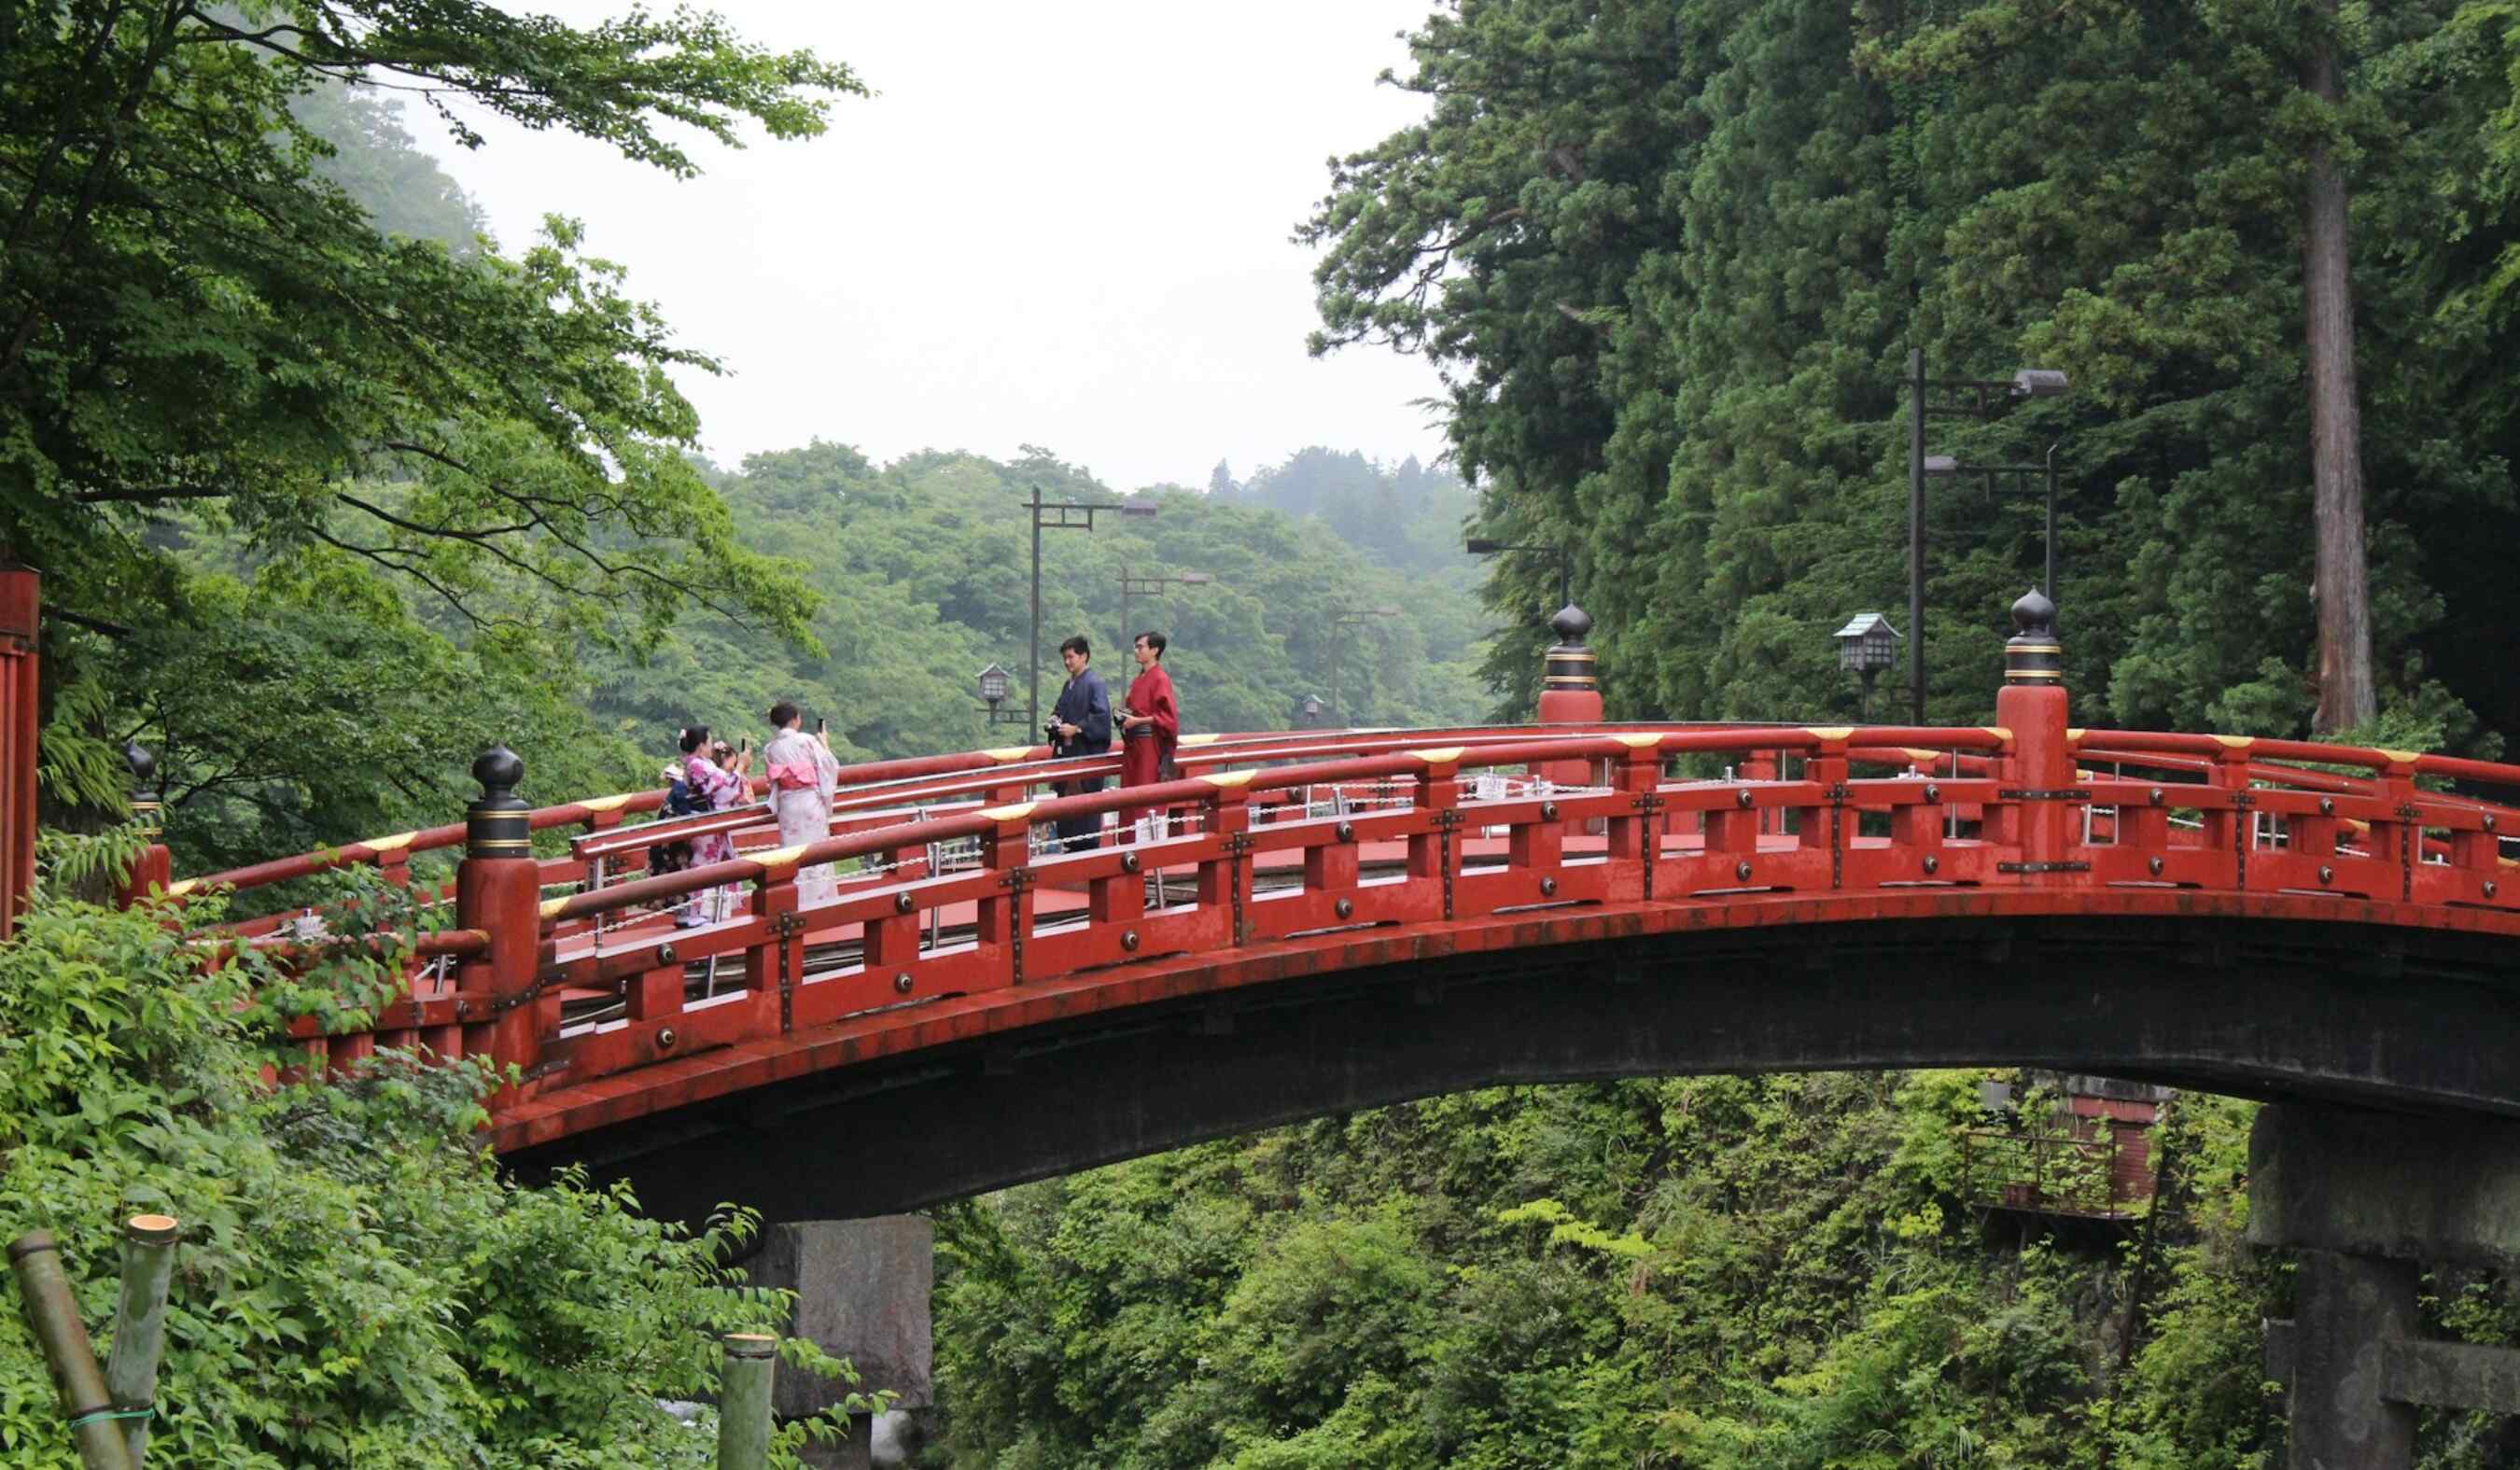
column 715, row 787
column 801, row 770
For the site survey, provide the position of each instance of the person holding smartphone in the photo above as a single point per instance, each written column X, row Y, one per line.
column 803, row 774
column 715, row 780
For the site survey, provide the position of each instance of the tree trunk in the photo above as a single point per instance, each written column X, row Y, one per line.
column 2346, row 694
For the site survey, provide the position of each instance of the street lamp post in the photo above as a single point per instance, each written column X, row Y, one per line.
column 1309, row 711
column 1067, row 518
column 1349, row 617
column 1133, row 586
column 1944, row 465
column 1961, row 398
column 1866, row 645
column 1480, row 546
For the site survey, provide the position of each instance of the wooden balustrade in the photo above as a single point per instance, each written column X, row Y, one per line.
column 2202, row 814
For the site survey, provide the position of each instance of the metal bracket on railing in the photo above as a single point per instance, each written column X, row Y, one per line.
column 2241, row 830
column 2074, row 793
column 1444, row 820
column 1235, row 845
column 1649, row 805
column 498, row 1005
column 787, row 927
column 1014, row 880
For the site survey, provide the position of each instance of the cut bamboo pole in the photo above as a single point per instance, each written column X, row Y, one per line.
column 744, row 1401
column 140, row 1325
column 54, row 1313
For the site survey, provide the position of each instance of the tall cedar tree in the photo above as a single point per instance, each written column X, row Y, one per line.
column 1670, row 255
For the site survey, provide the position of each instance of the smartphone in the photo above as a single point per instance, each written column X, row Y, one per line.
column 821, row 725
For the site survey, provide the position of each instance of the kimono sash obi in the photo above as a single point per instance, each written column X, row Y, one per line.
column 792, row 776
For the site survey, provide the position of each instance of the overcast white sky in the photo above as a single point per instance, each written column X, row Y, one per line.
column 1062, row 225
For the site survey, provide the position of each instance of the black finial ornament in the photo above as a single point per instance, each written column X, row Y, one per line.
column 147, row 808
column 2033, row 654
column 2034, row 616
column 1570, row 665
column 495, row 826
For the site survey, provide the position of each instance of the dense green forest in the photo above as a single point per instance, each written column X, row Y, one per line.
column 1672, row 254
column 1768, row 1273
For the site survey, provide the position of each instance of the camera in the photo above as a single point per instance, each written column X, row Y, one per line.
column 1050, row 730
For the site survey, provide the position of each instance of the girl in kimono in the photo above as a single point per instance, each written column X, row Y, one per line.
column 802, row 774
column 713, row 787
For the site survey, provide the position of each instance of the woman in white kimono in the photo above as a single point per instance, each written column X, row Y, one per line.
column 802, row 774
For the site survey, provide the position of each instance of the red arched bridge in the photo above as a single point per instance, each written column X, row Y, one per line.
column 1340, row 919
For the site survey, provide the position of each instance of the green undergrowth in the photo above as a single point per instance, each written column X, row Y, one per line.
column 1723, row 1274
column 358, row 1284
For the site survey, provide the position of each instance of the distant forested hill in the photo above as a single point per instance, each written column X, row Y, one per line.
column 1409, row 517
column 924, row 569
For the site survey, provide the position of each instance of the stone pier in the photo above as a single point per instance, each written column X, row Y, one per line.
column 862, row 1292
column 2366, row 1200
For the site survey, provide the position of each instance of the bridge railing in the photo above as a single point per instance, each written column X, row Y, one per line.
column 1792, row 818
column 998, row 937
column 986, row 777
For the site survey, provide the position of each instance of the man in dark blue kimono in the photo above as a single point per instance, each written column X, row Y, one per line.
column 1080, row 726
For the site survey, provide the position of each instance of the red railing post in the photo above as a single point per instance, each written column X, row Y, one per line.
column 1225, row 879
column 20, row 693
column 890, row 942
column 1436, row 854
column 1824, row 828
column 1635, row 834
column 2230, row 828
column 2032, row 705
column 1005, row 919
column 773, row 967
column 498, row 890
column 2399, row 837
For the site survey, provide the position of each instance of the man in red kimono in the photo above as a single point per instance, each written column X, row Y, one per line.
column 1149, row 729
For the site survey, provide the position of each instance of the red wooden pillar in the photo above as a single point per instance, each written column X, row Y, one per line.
column 498, row 890
column 20, row 611
column 1005, row 920
column 775, row 967
column 1829, row 827
column 2040, row 771
column 2397, row 838
column 1225, row 880
column 2232, row 829
column 1435, row 855
column 153, row 869
column 1636, row 832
